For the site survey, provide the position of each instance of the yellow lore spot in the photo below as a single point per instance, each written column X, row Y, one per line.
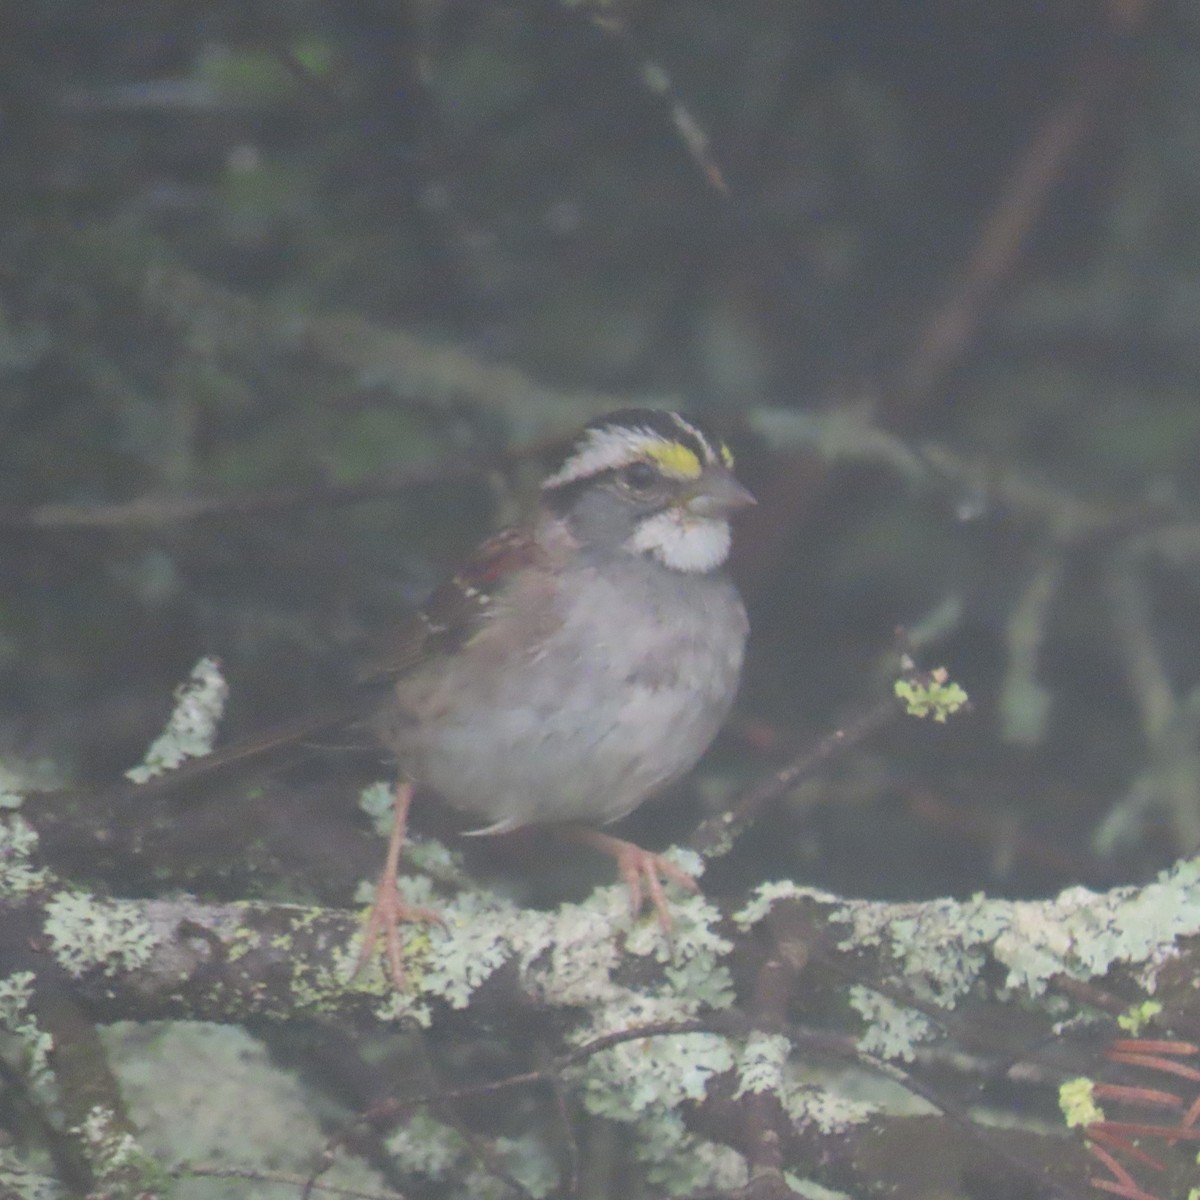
column 674, row 459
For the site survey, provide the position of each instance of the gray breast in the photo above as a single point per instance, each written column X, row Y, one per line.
column 625, row 690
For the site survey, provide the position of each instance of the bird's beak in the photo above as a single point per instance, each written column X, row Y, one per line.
column 717, row 493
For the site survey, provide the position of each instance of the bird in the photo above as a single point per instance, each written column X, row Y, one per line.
column 578, row 662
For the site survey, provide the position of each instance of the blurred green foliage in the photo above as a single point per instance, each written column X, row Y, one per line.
column 313, row 246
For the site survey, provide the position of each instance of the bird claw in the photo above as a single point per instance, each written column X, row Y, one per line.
column 643, row 872
column 388, row 912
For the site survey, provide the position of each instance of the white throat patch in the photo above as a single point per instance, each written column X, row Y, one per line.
column 683, row 542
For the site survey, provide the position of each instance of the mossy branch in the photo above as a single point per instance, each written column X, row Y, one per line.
column 645, row 1036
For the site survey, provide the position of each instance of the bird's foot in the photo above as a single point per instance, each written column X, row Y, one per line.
column 388, row 912
column 643, row 872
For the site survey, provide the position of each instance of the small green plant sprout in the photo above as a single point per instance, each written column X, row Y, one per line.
column 1136, row 1018
column 1076, row 1099
column 930, row 694
column 1108, row 1141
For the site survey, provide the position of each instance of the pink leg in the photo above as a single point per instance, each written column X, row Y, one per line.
column 642, row 871
column 388, row 911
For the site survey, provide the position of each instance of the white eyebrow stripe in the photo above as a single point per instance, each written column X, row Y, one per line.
column 603, row 450
column 689, row 428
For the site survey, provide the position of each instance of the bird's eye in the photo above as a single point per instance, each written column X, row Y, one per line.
column 639, row 476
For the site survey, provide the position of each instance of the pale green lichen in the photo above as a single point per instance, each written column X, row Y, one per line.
column 938, row 963
column 18, row 840
column 377, row 800
column 111, row 1147
column 526, row 1159
column 941, row 946
column 765, row 1066
column 571, row 959
column 201, row 1093
column 810, row 1189
column 88, row 933
column 429, row 1149
column 240, row 942
column 465, row 952
column 640, row 1074
column 426, row 1147
column 20, row 776
column 20, row 1182
column 892, row 1030
column 761, row 1064
column 567, row 957
column 1078, row 933
column 824, row 1108
column 427, row 857
column 436, row 862
column 643, row 1081
column 191, row 728
column 692, row 959
column 31, row 1043
column 122, row 1169
column 685, row 859
column 679, row 1162
column 1083, row 934
column 445, row 962
column 766, row 895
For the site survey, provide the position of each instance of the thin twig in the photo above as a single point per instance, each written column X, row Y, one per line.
column 948, row 335
column 154, row 512
column 1021, row 1167
column 716, row 836
column 284, row 1178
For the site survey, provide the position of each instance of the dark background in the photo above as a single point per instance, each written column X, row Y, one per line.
column 197, row 195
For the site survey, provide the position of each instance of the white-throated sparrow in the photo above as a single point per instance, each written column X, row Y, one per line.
column 581, row 662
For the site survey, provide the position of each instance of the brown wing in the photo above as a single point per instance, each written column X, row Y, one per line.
column 456, row 609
